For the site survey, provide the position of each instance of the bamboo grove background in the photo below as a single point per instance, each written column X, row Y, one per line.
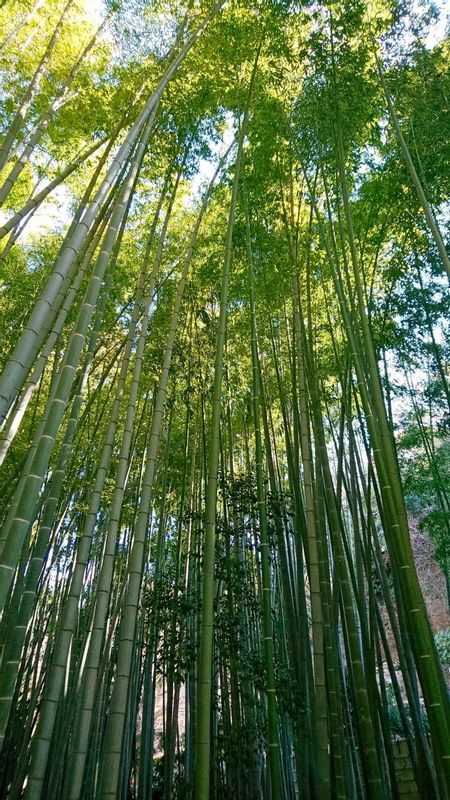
column 224, row 374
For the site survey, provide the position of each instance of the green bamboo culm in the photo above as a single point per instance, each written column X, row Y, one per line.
column 204, row 664
column 222, row 485
column 397, row 532
column 273, row 747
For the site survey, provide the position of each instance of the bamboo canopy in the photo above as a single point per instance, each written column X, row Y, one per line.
column 224, row 399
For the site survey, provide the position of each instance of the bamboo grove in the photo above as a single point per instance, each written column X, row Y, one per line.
column 223, row 264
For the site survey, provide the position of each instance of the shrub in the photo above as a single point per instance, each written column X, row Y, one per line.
column 442, row 642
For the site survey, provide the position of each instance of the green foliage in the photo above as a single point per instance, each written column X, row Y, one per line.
column 395, row 721
column 442, row 642
column 316, row 82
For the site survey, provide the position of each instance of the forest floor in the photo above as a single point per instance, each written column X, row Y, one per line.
column 432, row 583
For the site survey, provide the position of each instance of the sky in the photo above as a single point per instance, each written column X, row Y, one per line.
column 437, row 32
